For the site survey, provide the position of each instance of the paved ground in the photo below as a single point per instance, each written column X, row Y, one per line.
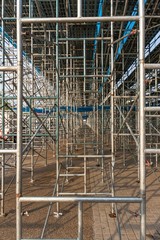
column 98, row 225
column 106, row 228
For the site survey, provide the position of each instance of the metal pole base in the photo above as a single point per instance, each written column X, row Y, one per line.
column 32, row 181
column 112, row 215
column 57, row 214
column 3, row 214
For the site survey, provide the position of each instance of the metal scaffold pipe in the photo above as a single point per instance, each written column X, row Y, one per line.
column 82, row 199
column 152, row 65
column 80, row 20
column 8, row 68
column 19, row 121
column 12, row 151
column 57, row 102
column 152, row 109
column 80, row 220
column 112, row 109
column 3, row 118
column 79, row 8
column 142, row 118
column 148, row 150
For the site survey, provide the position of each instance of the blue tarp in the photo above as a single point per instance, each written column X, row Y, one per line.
column 72, row 109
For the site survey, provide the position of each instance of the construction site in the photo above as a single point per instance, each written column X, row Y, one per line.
column 80, row 119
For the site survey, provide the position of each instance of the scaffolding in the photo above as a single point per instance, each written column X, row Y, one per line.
column 79, row 80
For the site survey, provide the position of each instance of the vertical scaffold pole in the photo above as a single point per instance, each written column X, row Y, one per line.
column 97, row 112
column 79, row 8
column 102, row 112
column 84, row 66
column 19, row 121
column 123, row 102
column 67, row 96
column 138, row 155
column 32, row 82
column 3, row 117
column 57, row 105
column 84, row 71
column 142, row 118
column 80, row 221
column 112, row 106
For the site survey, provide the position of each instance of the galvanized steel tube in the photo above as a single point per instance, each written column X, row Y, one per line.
column 79, row 8
column 57, row 102
column 82, row 199
column 19, row 121
column 80, row 221
column 112, row 108
column 152, row 65
column 80, row 20
column 8, row 68
column 3, row 116
column 142, row 118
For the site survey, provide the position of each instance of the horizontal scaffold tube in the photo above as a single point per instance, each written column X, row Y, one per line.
column 8, row 68
column 82, row 199
column 106, row 194
column 152, row 150
column 146, row 16
column 152, row 109
column 85, row 38
column 8, row 151
column 85, row 156
column 49, row 238
column 152, row 65
column 80, row 20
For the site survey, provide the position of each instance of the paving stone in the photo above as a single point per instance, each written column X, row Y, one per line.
column 126, row 185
